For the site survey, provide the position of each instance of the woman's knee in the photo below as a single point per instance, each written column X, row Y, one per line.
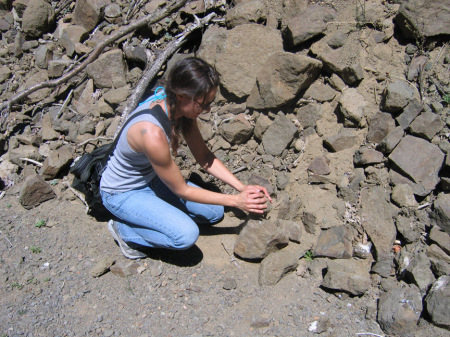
column 186, row 238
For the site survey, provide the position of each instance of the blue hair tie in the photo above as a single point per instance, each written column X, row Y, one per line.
column 159, row 94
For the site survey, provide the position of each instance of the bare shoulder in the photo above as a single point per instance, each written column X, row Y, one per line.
column 143, row 134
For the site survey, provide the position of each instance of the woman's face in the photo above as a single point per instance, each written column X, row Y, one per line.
column 192, row 108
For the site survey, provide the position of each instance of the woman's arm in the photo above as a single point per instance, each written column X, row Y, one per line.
column 150, row 139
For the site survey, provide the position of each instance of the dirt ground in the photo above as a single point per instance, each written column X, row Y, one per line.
column 47, row 288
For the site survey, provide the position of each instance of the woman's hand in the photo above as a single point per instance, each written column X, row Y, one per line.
column 253, row 198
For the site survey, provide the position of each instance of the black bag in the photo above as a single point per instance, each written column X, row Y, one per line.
column 88, row 171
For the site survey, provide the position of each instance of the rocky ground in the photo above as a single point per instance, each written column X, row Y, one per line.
column 340, row 108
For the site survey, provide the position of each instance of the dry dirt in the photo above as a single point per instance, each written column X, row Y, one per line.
column 47, row 288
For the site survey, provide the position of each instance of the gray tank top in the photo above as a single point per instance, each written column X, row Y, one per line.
column 126, row 169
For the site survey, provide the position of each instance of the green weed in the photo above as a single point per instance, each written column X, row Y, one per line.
column 35, row 250
column 17, row 285
column 308, row 256
column 446, row 99
column 40, row 223
column 8, row 206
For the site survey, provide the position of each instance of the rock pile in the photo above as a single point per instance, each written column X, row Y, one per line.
column 345, row 121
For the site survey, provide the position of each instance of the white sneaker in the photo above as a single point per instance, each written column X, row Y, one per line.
column 127, row 251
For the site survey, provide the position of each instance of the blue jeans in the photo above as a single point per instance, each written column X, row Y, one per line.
column 153, row 216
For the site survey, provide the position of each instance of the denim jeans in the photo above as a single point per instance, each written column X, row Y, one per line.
column 153, row 216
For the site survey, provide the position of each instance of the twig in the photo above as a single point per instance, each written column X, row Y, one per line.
column 69, row 96
column 77, row 194
column 31, row 161
column 2, row 194
column 156, row 66
column 424, row 205
column 6, row 238
column 149, row 19
column 232, row 258
column 239, row 169
column 368, row 333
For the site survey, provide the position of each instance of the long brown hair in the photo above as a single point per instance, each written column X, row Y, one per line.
column 191, row 77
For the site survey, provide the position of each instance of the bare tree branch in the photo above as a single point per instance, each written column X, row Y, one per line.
column 149, row 19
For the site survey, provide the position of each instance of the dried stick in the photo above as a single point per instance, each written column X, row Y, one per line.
column 32, row 161
column 69, row 96
column 149, row 19
column 79, row 195
column 150, row 74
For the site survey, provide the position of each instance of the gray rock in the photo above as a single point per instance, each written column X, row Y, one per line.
column 88, row 13
column 262, row 123
column 23, row 151
column 408, row 229
column 377, row 220
column 107, row 68
column 416, row 66
column 383, row 267
column 283, row 179
column 101, row 267
column 239, row 54
column 440, row 260
column 396, row 96
column 259, row 238
column 420, row 19
column 388, row 144
column 419, row 160
column 352, row 105
column 253, row 11
column 320, row 92
column 33, row 78
column 238, row 130
column 319, row 166
column 47, row 131
column 308, row 24
column 419, row 271
column 344, row 139
column 5, row 73
column 438, row 302
column 42, row 56
column 38, row 18
column 441, row 212
column 380, row 126
column 255, row 179
column 367, row 156
column 116, row 96
column 309, row 114
column 71, row 35
column 441, row 238
column 34, row 192
column 275, row 266
column 281, row 78
column 293, row 229
column 310, row 221
column 56, row 162
column 427, row 125
column 335, row 242
column 399, row 310
column 403, row 196
column 351, row 276
column 56, row 67
column 410, row 112
column 278, row 135
column 338, row 39
column 127, row 268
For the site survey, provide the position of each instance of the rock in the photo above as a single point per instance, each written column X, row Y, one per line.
column 56, row 162
column 351, row 276
column 438, row 301
column 377, row 220
column 116, row 96
column 253, row 11
column 440, row 260
column 278, row 135
column 320, row 166
column 335, row 242
column 419, row 19
column 308, row 24
column 23, row 151
column 441, row 238
column 56, row 67
column 367, row 156
column 427, row 125
column 101, row 267
column 70, row 36
column 388, row 144
column 419, row 271
column 403, row 196
column 309, row 114
column 396, row 96
column 419, row 160
column 5, row 74
column 38, row 18
column 415, row 67
column 238, row 130
column 408, row 229
column 351, row 105
column 320, row 92
column 34, row 78
column 127, row 268
column 380, row 126
column 399, row 310
column 47, row 131
column 275, row 266
column 410, row 112
column 34, row 192
column 262, row 123
column 239, row 54
column 88, row 13
column 108, row 68
column 344, row 139
column 383, row 267
column 259, row 238
column 441, row 212
column 281, row 78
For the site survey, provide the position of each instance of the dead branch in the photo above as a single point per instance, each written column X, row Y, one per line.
column 150, row 74
column 149, row 19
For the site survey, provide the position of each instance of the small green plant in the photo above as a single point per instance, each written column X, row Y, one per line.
column 17, row 285
column 47, row 279
column 54, row 182
column 35, row 250
column 22, row 312
column 446, row 99
column 40, row 223
column 8, row 206
column 308, row 256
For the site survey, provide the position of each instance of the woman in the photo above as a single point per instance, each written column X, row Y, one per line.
column 142, row 185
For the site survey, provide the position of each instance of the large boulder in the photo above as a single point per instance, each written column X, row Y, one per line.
column 38, row 18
